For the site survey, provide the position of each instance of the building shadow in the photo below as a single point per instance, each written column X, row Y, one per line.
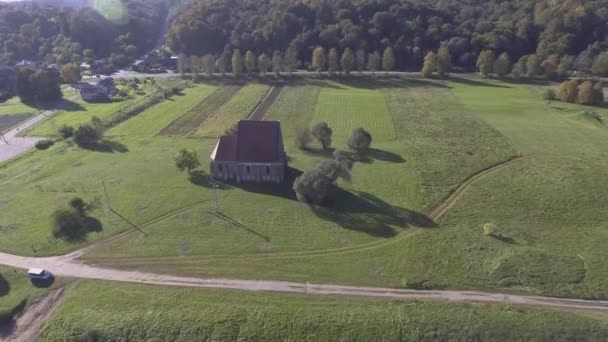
column 201, row 178
column 369, row 214
column 106, row 146
column 283, row 190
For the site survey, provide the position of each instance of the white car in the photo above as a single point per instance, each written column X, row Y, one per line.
column 38, row 273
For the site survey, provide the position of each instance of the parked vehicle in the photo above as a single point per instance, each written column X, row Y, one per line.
column 38, row 273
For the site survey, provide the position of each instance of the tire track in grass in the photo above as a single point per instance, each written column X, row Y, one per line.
column 435, row 215
column 193, row 118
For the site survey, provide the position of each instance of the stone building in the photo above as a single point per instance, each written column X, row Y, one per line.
column 254, row 154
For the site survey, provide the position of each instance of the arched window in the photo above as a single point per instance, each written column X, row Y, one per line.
column 220, row 167
column 267, row 170
column 247, row 169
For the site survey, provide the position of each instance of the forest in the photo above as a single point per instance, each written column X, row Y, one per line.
column 54, row 35
column 575, row 30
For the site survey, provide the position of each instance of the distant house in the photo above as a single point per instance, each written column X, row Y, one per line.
column 27, row 64
column 100, row 92
column 254, row 154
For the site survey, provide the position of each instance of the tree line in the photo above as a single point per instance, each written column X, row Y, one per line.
column 553, row 67
column 412, row 28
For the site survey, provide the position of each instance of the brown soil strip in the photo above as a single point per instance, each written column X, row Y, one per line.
column 192, row 119
column 262, row 107
column 29, row 323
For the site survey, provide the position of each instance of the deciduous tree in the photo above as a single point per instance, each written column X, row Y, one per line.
column 359, row 140
column 250, row 62
column 568, row 91
column 485, row 62
column 532, row 65
column 187, row 161
column 388, row 59
column 70, row 73
column 322, row 132
column 361, row 59
column 208, row 64
column 237, row 63
column 333, row 61
column 373, row 62
column 502, row 65
column 318, row 59
column 429, row 65
column 444, row 61
column 277, row 63
column 347, row 61
column 264, row 64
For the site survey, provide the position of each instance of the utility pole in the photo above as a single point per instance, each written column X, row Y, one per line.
column 214, row 185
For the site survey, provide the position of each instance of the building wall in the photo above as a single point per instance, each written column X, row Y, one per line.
column 248, row 172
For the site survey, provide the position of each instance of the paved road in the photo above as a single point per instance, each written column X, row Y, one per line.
column 68, row 266
column 14, row 144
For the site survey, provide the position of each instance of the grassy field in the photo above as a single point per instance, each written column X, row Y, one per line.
column 190, row 120
column 159, row 116
column 146, row 313
column 531, row 124
column 428, row 139
column 14, row 106
column 81, row 112
column 347, row 108
column 238, row 107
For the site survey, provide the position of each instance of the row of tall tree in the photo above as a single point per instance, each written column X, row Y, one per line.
column 410, row 27
column 331, row 61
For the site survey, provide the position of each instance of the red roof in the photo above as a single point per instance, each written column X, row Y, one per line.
column 255, row 142
column 226, row 148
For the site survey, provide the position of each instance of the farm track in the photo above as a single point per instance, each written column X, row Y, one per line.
column 435, row 215
column 190, row 121
column 260, row 110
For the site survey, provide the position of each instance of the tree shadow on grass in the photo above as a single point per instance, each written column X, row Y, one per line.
column 79, row 234
column 473, row 82
column 369, row 214
column 106, row 146
column 325, row 153
column 63, row 104
column 372, row 154
column 5, row 287
column 382, row 81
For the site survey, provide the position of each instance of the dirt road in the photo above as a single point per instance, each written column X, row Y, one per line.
column 14, row 144
column 67, row 266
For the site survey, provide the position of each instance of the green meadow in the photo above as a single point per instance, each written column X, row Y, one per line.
column 145, row 313
column 428, row 138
